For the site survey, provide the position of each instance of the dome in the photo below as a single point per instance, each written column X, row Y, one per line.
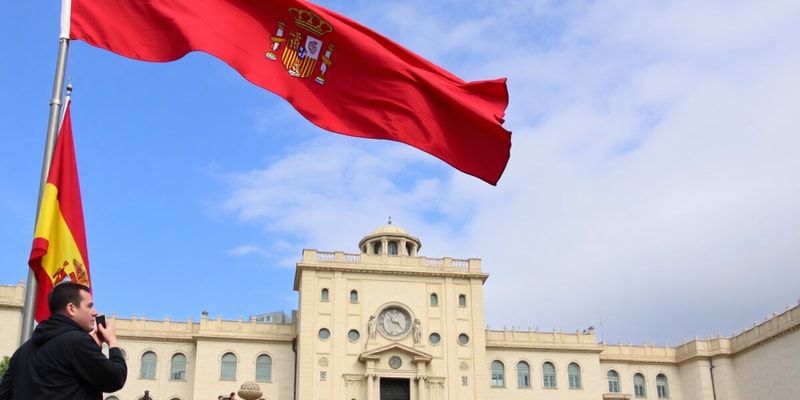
column 391, row 240
column 389, row 230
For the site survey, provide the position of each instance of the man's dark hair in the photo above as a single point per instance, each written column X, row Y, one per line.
column 65, row 293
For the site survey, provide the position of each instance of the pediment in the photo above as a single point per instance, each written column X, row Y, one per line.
column 379, row 352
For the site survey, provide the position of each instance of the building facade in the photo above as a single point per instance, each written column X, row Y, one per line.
column 388, row 324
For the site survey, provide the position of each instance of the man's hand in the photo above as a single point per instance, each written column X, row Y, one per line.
column 106, row 334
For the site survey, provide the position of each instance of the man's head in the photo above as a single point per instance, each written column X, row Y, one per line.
column 74, row 301
column 233, row 395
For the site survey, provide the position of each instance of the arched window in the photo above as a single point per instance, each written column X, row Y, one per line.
column 392, row 248
column 177, row 370
column 574, row 374
column 228, row 367
column 264, row 368
column 523, row 374
column 613, row 381
column 638, row 386
column 148, row 370
column 434, row 300
column 377, row 248
column 354, row 296
column 662, row 386
column 549, row 375
column 462, row 300
column 323, row 295
column 112, row 398
column 498, row 374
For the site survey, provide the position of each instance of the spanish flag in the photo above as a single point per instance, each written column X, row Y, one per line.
column 59, row 243
column 335, row 72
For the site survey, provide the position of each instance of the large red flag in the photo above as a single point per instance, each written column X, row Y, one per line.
column 59, row 243
column 337, row 73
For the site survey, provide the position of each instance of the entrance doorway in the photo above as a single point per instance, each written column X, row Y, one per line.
column 395, row 389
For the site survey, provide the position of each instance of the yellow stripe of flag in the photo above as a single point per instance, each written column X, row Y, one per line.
column 59, row 245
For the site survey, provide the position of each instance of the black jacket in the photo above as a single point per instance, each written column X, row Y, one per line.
column 62, row 361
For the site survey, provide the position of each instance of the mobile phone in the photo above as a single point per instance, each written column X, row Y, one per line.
column 100, row 320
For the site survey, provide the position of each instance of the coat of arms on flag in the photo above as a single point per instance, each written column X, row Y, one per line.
column 301, row 48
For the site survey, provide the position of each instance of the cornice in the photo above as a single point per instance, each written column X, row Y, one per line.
column 768, row 339
column 583, row 348
column 384, row 271
column 382, row 264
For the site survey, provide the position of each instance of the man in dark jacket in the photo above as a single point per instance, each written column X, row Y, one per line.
column 63, row 358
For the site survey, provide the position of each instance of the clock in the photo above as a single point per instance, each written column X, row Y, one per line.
column 394, row 322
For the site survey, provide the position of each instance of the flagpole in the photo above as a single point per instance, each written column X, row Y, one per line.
column 52, row 132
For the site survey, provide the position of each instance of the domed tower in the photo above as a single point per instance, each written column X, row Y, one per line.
column 387, row 323
column 392, row 240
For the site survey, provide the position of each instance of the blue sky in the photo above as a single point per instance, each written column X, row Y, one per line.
column 652, row 187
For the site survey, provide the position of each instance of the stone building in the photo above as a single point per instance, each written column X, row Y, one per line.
column 388, row 324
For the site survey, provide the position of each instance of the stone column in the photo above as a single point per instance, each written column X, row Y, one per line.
column 370, row 386
column 421, row 387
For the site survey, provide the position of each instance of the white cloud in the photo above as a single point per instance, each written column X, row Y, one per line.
column 247, row 249
column 652, row 186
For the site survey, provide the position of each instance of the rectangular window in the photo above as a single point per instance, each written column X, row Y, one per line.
column 574, row 381
column 549, row 381
column 148, row 371
column 228, row 372
column 497, row 380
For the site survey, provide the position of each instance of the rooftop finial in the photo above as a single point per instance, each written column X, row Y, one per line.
column 390, row 220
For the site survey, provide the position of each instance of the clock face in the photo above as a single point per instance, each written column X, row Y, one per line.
column 394, row 322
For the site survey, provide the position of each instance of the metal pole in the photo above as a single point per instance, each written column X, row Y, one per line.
column 713, row 386
column 50, row 142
